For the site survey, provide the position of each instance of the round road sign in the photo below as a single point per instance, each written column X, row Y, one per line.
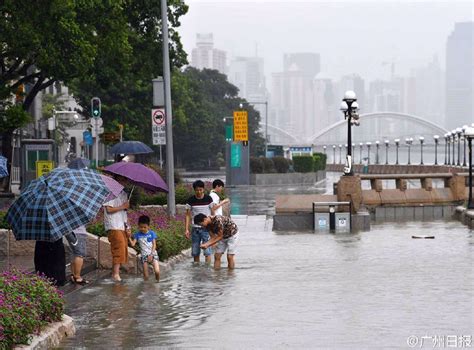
column 158, row 117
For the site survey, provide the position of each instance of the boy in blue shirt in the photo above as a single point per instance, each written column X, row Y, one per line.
column 146, row 239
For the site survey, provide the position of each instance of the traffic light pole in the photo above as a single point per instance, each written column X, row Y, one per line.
column 96, row 125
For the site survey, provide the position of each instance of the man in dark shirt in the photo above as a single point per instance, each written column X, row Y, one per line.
column 224, row 232
column 200, row 203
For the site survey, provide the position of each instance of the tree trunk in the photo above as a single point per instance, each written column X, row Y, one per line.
column 7, row 148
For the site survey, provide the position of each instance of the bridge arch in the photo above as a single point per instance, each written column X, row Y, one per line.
column 279, row 135
column 421, row 122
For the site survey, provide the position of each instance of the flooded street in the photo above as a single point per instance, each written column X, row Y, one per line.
column 294, row 290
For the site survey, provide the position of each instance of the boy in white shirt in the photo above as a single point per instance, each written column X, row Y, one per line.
column 217, row 187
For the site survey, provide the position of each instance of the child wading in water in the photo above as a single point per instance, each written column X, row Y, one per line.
column 146, row 239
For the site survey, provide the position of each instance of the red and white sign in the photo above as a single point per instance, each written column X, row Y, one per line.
column 158, row 126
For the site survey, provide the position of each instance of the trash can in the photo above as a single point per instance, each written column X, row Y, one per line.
column 321, row 222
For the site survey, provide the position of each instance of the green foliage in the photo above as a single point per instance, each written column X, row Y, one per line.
column 3, row 220
column 281, row 164
column 256, row 165
column 303, row 164
column 27, row 303
column 268, row 166
column 171, row 241
column 319, row 160
column 13, row 117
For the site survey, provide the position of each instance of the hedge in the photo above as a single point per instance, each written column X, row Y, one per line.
column 303, row 164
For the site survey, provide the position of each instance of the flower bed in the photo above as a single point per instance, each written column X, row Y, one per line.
column 28, row 302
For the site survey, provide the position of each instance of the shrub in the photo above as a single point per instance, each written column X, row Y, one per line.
column 268, row 166
column 256, row 165
column 281, row 164
column 319, row 161
column 303, row 164
column 27, row 303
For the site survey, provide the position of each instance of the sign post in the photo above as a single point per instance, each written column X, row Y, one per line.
column 158, row 129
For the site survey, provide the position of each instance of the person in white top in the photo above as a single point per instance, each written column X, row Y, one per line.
column 217, row 187
column 115, row 223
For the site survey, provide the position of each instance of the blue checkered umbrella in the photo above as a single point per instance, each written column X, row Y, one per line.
column 3, row 167
column 56, row 204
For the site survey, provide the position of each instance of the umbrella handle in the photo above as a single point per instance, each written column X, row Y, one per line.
column 130, row 195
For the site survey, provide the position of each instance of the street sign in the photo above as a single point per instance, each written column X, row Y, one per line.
column 235, row 155
column 229, row 130
column 158, row 126
column 241, row 126
column 87, row 137
column 43, row 167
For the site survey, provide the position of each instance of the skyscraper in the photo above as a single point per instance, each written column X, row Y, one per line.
column 206, row 56
column 460, row 75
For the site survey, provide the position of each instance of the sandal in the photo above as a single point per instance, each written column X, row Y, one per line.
column 72, row 279
column 82, row 282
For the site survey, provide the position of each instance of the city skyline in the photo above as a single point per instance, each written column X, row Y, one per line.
column 375, row 45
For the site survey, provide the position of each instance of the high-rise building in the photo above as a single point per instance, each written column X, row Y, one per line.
column 247, row 74
column 308, row 63
column 204, row 55
column 460, row 76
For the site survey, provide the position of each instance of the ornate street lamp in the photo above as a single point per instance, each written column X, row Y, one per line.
column 377, row 146
column 360, row 152
column 353, row 148
column 368, row 152
column 334, row 154
column 436, row 140
column 397, row 144
column 469, row 134
column 453, row 136
column 422, row 139
column 409, row 141
column 464, row 128
column 324, row 149
column 349, row 107
column 446, row 149
column 386, row 151
column 340, row 154
column 448, row 134
column 459, row 132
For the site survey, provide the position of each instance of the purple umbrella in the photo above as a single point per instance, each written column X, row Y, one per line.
column 113, row 186
column 139, row 175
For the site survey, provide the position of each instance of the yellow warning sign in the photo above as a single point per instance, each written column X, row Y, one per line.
column 241, row 126
column 43, row 167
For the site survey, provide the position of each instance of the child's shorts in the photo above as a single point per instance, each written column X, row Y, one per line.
column 229, row 244
column 144, row 258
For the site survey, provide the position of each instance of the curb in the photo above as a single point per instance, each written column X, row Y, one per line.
column 465, row 216
column 51, row 335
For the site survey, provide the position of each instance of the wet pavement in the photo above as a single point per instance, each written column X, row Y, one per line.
column 294, row 290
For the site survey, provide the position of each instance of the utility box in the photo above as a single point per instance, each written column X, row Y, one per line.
column 343, row 222
column 321, row 222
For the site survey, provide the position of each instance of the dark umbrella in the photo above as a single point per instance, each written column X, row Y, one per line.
column 130, row 147
column 139, row 175
column 57, row 203
column 79, row 163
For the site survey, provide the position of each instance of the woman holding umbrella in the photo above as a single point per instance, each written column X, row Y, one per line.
column 115, row 223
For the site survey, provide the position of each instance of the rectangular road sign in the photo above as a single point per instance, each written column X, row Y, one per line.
column 241, row 126
column 158, row 126
column 43, row 167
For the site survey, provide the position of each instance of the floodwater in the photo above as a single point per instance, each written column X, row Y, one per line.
column 294, row 290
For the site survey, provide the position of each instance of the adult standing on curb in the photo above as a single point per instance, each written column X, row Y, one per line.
column 115, row 224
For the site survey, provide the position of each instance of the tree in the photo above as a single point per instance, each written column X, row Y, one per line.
column 201, row 99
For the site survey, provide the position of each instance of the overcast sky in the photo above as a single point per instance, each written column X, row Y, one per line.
column 351, row 36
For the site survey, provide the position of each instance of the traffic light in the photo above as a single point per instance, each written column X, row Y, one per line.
column 95, row 106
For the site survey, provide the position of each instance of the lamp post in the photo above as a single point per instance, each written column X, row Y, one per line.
column 377, row 146
column 409, row 141
column 464, row 128
column 386, row 151
column 469, row 134
column 368, row 152
column 266, row 121
column 334, row 154
column 360, row 152
column 459, row 132
column 397, row 144
column 448, row 135
column 436, row 140
column 422, row 139
column 353, row 148
column 340, row 154
column 446, row 149
column 324, row 149
column 453, row 136
column 349, row 107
